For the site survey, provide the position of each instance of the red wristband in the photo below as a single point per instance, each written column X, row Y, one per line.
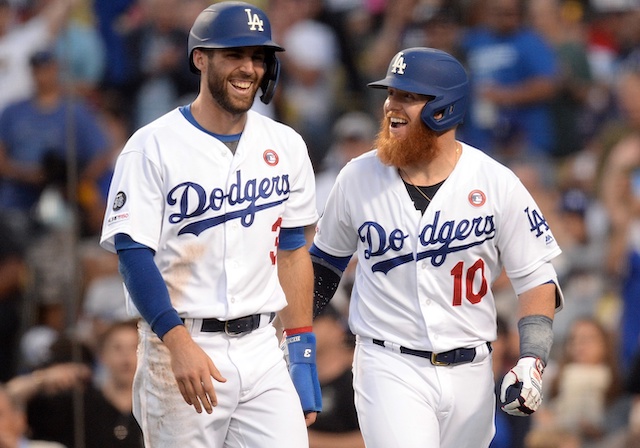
column 292, row 331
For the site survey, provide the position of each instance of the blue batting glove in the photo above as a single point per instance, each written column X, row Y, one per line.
column 300, row 350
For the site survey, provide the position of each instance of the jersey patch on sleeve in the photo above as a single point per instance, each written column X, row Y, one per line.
column 117, row 218
column 537, row 224
column 119, row 201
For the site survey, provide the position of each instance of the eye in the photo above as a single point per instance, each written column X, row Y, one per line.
column 259, row 57
column 232, row 54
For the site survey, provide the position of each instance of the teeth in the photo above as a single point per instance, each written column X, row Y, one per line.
column 395, row 120
column 241, row 84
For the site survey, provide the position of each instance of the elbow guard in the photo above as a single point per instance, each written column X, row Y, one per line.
column 326, row 281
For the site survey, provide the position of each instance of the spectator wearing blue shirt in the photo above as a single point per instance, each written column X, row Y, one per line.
column 35, row 137
column 513, row 72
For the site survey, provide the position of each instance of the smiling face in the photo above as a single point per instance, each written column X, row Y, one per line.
column 233, row 76
column 404, row 139
column 587, row 343
column 117, row 352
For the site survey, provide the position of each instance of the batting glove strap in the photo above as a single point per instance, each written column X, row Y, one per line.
column 301, row 351
column 521, row 389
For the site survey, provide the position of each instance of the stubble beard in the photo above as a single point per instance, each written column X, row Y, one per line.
column 217, row 86
column 417, row 147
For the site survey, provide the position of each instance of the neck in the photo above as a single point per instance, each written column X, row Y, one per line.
column 215, row 119
column 48, row 99
column 435, row 170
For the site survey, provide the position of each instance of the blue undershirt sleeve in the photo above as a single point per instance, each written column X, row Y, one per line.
column 339, row 263
column 291, row 238
column 145, row 284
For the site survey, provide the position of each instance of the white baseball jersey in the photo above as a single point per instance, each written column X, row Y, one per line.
column 212, row 217
column 423, row 281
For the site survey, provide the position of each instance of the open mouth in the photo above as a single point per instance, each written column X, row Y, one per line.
column 241, row 86
column 397, row 122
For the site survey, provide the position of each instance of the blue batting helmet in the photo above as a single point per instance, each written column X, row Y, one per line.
column 232, row 25
column 435, row 73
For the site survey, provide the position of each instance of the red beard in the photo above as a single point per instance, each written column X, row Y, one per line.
column 419, row 146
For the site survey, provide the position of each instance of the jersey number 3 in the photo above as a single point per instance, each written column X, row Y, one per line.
column 466, row 279
column 274, row 228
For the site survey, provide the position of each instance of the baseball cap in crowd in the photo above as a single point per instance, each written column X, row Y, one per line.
column 574, row 201
column 355, row 126
column 42, row 57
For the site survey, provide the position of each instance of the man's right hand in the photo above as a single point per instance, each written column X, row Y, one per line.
column 193, row 370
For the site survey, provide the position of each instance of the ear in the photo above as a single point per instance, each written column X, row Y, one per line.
column 199, row 59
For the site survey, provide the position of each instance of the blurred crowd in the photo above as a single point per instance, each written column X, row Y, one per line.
column 555, row 96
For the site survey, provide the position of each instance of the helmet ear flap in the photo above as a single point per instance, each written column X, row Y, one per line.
column 270, row 78
column 443, row 114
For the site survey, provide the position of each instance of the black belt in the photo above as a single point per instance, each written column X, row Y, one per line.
column 450, row 358
column 240, row 325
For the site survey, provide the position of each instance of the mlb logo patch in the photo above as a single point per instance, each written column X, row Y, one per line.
column 271, row 157
column 477, row 198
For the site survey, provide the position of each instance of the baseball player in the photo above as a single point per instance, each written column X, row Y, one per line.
column 207, row 210
column 433, row 222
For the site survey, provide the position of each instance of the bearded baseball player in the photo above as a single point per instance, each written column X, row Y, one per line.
column 433, row 222
column 207, row 210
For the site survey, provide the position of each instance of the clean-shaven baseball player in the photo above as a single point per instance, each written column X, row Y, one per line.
column 433, row 222
column 207, row 210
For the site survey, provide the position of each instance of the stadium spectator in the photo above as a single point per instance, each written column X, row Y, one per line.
column 309, row 78
column 585, row 390
column 353, row 135
column 513, row 72
column 159, row 76
column 106, row 398
column 563, row 26
column 13, row 425
column 19, row 38
column 35, row 137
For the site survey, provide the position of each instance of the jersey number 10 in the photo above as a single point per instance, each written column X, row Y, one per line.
column 460, row 278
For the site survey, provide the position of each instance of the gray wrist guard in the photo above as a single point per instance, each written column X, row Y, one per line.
column 536, row 336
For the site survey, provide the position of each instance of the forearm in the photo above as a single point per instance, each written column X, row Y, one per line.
column 56, row 13
column 540, row 300
column 327, row 272
column 146, row 285
column 535, row 321
column 533, row 91
column 22, row 173
column 53, row 379
column 295, row 273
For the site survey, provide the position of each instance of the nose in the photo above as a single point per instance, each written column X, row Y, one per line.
column 391, row 104
column 247, row 65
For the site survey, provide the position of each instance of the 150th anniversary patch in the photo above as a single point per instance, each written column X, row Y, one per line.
column 119, row 201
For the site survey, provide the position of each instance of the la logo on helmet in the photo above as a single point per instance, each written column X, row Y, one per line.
column 254, row 21
column 399, row 65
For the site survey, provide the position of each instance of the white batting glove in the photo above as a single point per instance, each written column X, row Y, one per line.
column 521, row 389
